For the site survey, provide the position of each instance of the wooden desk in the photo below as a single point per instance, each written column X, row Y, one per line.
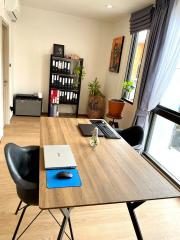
column 112, row 173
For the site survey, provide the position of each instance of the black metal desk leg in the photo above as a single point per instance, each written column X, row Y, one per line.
column 70, row 228
column 66, row 219
column 131, row 206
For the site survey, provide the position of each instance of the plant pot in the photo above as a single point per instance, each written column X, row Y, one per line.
column 125, row 94
column 96, row 107
column 115, row 107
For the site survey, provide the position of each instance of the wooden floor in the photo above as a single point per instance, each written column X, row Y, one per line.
column 159, row 220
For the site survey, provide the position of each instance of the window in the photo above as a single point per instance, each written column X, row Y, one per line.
column 171, row 98
column 134, row 65
column 163, row 143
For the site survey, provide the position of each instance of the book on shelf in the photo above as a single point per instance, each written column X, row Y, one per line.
column 62, row 82
column 61, row 66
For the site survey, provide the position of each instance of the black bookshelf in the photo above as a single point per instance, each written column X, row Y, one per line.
column 64, row 84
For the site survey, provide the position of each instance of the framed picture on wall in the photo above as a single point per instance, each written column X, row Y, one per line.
column 116, row 53
column 58, row 50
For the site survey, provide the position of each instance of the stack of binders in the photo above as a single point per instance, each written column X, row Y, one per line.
column 62, row 82
column 61, row 66
column 58, row 96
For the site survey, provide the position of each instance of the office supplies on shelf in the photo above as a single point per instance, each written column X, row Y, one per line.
column 53, row 182
column 58, row 156
column 64, row 83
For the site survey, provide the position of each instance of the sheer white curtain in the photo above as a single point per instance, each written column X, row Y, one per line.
column 169, row 58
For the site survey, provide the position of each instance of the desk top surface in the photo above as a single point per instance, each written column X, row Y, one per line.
column 111, row 173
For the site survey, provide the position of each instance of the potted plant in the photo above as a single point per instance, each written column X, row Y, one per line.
column 128, row 86
column 116, row 105
column 96, row 102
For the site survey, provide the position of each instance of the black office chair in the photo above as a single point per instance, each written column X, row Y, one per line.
column 23, row 165
column 132, row 135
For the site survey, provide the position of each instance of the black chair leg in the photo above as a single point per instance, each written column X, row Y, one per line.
column 19, row 222
column 19, row 205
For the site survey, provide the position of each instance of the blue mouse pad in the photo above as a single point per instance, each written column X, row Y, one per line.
column 53, row 182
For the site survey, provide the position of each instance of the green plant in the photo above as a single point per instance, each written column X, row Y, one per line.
column 77, row 71
column 128, row 86
column 94, row 88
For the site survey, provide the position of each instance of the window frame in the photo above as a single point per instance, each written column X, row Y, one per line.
column 172, row 116
column 131, row 56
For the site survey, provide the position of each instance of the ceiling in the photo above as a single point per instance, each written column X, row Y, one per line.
column 95, row 9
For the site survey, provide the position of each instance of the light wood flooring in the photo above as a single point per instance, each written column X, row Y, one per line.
column 159, row 220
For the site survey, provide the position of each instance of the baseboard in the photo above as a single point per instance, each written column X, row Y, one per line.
column 82, row 116
column 67, row 115
column 45, row 114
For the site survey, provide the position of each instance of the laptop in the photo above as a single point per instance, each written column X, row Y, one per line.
column 87, row 129
column 58, row 156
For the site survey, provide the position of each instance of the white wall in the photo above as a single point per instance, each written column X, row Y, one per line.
column 35, row 33
column 37, row 30
column 114, row 81
column 5, row 18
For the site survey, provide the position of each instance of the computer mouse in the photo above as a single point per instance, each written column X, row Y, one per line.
column 65, row 175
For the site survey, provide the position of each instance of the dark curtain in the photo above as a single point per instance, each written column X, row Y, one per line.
column 157, row 36
column 141, row 19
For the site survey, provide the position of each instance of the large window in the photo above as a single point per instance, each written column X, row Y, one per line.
column 134, row 65
column 163, row 144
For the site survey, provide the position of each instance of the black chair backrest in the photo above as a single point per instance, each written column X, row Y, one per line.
column 133, row 135
column 23, row 161
column 23, row 165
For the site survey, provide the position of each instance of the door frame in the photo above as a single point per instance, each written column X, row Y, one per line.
column 4, row 103
column 5, row 70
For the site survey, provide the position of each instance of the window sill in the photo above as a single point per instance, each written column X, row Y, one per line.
column 163, row 171
column 128, row 101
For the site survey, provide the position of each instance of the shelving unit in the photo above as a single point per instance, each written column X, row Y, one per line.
column 64, row 84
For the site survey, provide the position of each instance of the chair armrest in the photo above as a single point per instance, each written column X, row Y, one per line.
column 138, row 147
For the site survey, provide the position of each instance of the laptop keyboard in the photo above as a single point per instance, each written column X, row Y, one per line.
column 105, row 129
